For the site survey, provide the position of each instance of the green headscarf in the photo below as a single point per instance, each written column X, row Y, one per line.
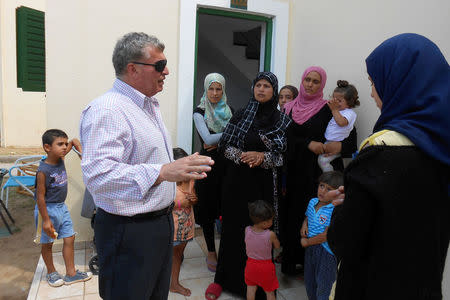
column 216, row 115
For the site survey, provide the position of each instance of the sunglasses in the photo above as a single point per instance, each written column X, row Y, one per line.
column 160, row 65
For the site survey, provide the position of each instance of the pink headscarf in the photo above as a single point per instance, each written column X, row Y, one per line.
column 305, row 106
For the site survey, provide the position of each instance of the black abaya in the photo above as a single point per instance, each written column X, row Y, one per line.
column 241, row 185
column 258, row 127
column 208, row 190
column 392, row 232
column 302, row 171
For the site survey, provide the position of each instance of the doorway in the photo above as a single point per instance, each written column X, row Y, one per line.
column 234, row 44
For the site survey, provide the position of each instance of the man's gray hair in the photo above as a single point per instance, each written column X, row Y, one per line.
column 131, row 48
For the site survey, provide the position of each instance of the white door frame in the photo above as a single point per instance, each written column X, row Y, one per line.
column 275, row 9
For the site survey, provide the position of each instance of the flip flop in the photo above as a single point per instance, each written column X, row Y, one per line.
column 213, row 289
column 210, row 263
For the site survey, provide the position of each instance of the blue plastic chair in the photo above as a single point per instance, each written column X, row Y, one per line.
column 19, row 178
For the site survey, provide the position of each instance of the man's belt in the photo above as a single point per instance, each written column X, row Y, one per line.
column 153, row 214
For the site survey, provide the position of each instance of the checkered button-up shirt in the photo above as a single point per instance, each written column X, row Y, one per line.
column 125, row 143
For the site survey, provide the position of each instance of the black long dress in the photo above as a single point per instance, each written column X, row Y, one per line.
column 392, row 232
column 241, row 185
column 208, row 190
column 302, row 171
column 258, row 127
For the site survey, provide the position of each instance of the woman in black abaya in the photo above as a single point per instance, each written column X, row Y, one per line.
column 253, row 144
column 306, row 137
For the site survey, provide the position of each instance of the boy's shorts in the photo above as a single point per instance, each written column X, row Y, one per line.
column 60, row 217
column 261, row 273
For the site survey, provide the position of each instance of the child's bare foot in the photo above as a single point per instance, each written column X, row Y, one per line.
column 178, row 288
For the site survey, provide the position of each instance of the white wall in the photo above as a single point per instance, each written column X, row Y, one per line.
column 339, row 35
column 80, row 39
column 23, row 114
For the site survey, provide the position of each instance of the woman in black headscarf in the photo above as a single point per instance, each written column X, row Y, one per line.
column 253, row 144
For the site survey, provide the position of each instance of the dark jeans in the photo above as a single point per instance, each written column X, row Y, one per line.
column 135, row 256
column 320, row 272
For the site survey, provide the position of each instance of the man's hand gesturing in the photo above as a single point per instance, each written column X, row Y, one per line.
column 193, row 166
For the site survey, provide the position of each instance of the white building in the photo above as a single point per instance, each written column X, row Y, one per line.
column 80, row 36
column 23, row 116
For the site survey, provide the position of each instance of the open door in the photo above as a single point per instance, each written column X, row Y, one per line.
column 234, row 44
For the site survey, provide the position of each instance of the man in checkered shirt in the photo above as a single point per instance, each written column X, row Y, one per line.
column 129, row 169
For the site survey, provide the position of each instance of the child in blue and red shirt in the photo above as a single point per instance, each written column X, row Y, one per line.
column 320, row 262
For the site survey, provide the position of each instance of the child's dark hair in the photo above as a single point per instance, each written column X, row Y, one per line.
column 292, row 88
column 349, row 91
column 260, row 211
column 333, row 178
column 50, row 135
column 179, row 153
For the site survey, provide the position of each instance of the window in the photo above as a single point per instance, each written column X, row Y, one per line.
column 30, row 42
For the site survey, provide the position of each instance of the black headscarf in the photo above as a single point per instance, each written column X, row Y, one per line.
column 265, row 117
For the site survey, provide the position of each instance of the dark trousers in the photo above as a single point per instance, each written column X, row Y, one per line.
column 208, row 233
column 320, row 272
column 135, row 256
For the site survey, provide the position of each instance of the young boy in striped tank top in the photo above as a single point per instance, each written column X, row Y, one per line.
column 260, row 270
column 320, row 262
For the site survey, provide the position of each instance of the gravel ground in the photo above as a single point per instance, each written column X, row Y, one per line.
column 18, row 254
column 21, row 151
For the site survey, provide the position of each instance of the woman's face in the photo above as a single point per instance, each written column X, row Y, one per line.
column 312, row 82
column 284, row 97
column 263, row 91
column 215, row 92
column 375, row 96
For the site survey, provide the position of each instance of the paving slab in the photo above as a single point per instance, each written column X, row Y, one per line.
column 193, row 275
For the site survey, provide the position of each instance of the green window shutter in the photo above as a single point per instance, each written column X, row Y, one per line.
column 30, row 30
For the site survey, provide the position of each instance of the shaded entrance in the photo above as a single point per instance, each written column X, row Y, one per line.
column 235, row 45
